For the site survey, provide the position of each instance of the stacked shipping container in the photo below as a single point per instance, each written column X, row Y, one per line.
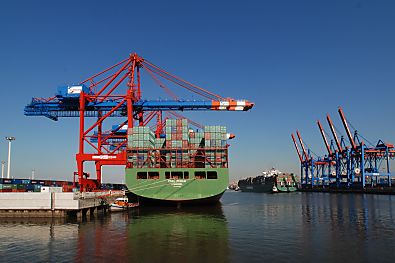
column 31, row 185
column 215, row 140
column 28, row 185
column 177, row 133
column 181, row 147
column 142, row 140
column 177, row 139
column 141, row 137
column 196, row 142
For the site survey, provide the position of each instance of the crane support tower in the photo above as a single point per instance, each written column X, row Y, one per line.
column 117, row 92
column 354, row 167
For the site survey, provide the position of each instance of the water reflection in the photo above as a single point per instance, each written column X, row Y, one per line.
column 295, row 227
column 103, row 238
column 342, row 223
column 153, row 234
column 37, row 239
column 188, row 235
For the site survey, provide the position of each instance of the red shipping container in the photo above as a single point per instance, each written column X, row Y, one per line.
column 67, row 188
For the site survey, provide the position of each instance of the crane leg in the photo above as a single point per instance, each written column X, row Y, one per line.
column 98, row 173
column 80, row 168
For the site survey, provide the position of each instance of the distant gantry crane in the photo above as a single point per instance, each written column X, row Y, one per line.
column 117, row 92
column 354, row 166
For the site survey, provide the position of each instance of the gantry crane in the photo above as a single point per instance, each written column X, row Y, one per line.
column 117, row 92
column 356, row 166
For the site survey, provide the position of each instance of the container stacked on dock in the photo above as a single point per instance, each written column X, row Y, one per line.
column 28, row 185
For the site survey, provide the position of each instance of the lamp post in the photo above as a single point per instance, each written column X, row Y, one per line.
column 9, row 139
column 2, row 169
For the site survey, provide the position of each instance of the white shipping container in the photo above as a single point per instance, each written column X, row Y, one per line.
column 51, row 189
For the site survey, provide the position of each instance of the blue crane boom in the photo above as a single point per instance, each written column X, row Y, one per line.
column 68, row 105
column 54, row 110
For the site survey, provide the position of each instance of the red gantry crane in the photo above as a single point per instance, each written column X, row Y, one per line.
column 117, row 92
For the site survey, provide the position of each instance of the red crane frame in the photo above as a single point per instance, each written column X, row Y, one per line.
column 102, row 88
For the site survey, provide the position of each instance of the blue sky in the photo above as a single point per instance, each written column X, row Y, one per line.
column 297, row 60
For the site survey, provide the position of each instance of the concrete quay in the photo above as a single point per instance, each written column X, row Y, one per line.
column 56, row 204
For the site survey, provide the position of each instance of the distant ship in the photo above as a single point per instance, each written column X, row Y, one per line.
column 271, row 181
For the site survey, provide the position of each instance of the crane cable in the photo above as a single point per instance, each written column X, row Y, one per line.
column 163, row 86
column 169, row 78
column 341, row 134
column 181, row 82
column 352, row 126
column 308, row 147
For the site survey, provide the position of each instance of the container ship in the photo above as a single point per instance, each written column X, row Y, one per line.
column 271, row 181
column 176, row 165
column 182, row 166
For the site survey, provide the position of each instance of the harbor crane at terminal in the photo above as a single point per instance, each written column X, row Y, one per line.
column 356, row 166
column 118, row 92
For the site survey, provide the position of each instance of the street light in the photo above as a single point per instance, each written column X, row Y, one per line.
column 9, row 139
column 2, row 169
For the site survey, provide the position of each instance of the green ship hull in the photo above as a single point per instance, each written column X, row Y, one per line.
column 177, row 185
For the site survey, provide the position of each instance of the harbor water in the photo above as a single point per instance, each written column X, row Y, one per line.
column 245, row 227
